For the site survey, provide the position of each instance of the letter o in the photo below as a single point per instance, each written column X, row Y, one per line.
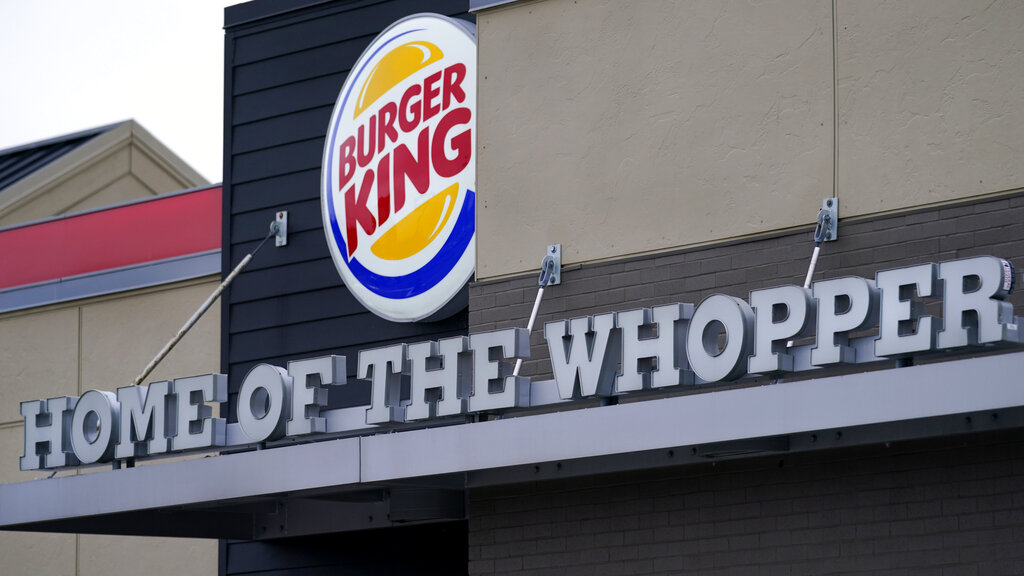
column 708, row 362
column 94, row 426
column 261, row 400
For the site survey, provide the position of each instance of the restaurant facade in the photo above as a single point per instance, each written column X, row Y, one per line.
column 767, row 252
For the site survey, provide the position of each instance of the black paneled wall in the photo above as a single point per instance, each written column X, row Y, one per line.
column 285, row 63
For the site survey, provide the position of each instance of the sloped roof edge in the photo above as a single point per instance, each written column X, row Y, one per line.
column 164, row 155
column 22, row 161
column 59, row 139
column 107, row 140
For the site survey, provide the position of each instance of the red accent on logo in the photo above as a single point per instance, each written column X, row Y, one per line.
column 366, row 156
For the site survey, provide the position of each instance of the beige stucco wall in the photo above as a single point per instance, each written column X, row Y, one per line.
column 619, row 128
column 102, row 343
column 931, row 101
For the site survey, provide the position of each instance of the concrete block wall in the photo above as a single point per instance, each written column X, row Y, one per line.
column 935, row 507
column 992, row 226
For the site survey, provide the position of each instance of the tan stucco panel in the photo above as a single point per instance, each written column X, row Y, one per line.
column 931, row 101
column 35, row 554
column 616, row 128
column 130, row 556
column 38, row 358
column 156, row 175
column 120, row 337
column 12, row 447
column 124, row 189
column 28, row 553
column 73, row 189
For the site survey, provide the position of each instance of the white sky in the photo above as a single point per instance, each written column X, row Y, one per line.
column 70, row 65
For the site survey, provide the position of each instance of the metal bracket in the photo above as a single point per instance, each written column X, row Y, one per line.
column 828, row 221
column 281, row 234
column 551, row 267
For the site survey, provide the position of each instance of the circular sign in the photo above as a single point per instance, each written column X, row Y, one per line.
column 398, row 182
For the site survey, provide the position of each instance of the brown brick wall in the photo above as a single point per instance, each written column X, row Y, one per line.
column 937, row 507
column 944, row 506
column 981, row 227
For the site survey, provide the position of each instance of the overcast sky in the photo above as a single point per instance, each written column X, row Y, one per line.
column 69, row 65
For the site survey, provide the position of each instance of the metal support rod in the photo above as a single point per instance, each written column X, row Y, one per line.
column 550, row 273
column 202, row 310
column 529, row 326
column 810, row 268
column 821, row 234
column 810, row 272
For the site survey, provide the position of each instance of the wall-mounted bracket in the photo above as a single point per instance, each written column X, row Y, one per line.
column 281, row 234
column 551, row 267
column 827, row 229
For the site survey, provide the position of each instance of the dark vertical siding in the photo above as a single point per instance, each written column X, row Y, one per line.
column 285, row 62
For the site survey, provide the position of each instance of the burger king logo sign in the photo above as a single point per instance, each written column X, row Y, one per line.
column 399, row 172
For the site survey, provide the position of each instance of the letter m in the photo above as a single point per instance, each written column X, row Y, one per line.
column 143, row 418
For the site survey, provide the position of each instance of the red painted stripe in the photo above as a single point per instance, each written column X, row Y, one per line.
column 163, row 227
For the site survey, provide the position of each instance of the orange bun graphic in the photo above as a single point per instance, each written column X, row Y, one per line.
column 395, row 66
column 417, row 230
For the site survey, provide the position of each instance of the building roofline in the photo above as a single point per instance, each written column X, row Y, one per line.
column 96, row 131
column 110, row 207
column 112, row 249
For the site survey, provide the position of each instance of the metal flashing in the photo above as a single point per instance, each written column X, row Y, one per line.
column 477, row 5
column 170, row 484
column 867, row 398
column 922, row 401
column 110, row 281
column 82, row 134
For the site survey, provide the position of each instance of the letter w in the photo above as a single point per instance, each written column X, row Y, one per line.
column 584, row 351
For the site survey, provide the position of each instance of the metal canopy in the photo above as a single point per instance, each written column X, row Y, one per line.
column 420, row 475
